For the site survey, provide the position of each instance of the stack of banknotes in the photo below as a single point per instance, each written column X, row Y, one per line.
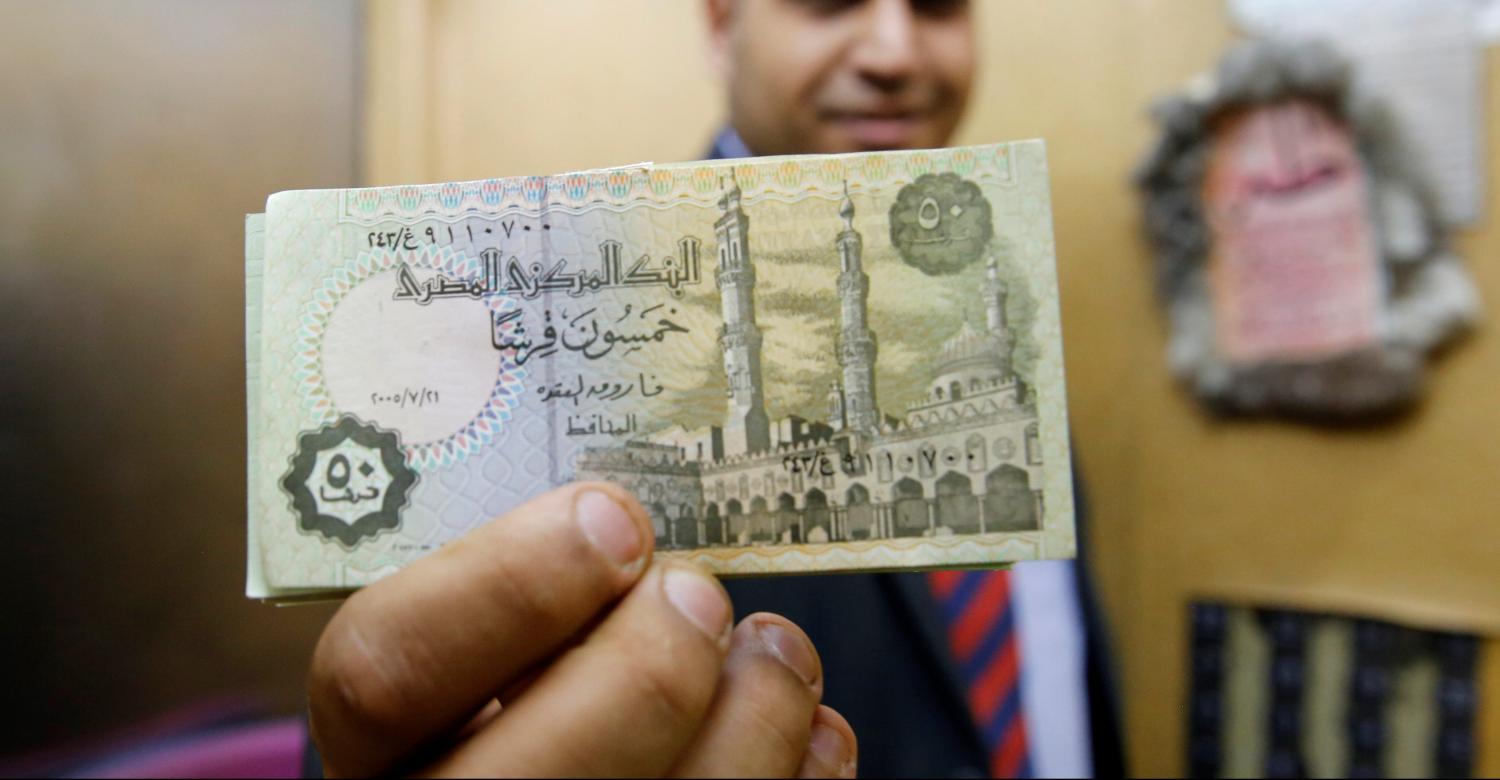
column 797, row 364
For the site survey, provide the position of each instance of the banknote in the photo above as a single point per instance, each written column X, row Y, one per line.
column 797, row 364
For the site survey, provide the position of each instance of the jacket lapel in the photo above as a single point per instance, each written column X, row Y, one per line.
column 910, row 593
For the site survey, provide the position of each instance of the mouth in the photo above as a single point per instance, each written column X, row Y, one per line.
column 878, row 131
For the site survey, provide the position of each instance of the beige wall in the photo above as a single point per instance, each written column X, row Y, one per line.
column 468, row 89
column 134, row 136
column 1396, row 521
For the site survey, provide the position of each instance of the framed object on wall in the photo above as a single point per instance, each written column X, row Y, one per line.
column 1300, row 256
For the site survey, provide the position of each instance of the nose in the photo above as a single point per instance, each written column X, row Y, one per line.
column 887, row 49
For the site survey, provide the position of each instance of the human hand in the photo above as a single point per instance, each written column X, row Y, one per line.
column 547, row 642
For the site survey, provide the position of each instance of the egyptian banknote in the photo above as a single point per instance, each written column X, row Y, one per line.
column 797, row 364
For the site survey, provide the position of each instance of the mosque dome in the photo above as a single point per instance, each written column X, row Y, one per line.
column 970, row 346
column 969, row 359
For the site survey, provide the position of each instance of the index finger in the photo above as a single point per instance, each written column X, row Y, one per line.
column 413, row 657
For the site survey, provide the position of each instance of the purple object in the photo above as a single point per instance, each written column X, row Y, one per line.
column 262, row 749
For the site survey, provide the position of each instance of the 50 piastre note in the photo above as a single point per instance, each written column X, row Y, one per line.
column 830, row 363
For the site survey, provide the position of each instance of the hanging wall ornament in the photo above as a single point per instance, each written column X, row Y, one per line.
column 1299, row 253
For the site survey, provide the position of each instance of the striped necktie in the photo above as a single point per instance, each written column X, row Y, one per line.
column 982, row 635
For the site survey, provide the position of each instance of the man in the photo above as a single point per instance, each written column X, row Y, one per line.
column 551, row 644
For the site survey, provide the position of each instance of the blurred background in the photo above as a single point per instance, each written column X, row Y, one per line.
column 134, row 136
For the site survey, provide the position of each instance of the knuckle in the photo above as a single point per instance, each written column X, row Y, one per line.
column 671, row 689
column 780, row 703
column 542, row 586
column 772, row 717
column 531, row 604
column 362, row 688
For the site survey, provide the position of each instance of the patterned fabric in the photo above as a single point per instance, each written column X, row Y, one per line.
column 1341, row 696
column 981, row 624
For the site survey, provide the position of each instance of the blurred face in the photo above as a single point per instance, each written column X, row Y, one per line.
column 822, row 76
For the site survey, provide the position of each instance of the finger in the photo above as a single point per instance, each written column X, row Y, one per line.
column 762, row 715
column 416, row 655
column 626, row 701
column 833, row 750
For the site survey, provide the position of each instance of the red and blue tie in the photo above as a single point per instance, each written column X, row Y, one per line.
column 982, row 635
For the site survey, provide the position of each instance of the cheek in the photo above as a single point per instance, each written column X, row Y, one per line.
column 776, row 73
column 952, row 58
column 807, row 61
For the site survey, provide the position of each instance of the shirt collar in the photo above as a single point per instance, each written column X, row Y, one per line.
column 728, row 145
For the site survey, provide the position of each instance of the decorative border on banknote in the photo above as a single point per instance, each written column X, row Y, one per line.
column 877, row 555
column 901, row 554
column 308, row 365
column 661, row 184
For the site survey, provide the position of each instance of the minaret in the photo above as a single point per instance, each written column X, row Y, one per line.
column 836, row 405
column 747, row 428
column 995, row 293
column 856, row 344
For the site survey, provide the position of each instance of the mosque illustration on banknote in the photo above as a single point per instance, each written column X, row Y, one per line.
column 964, row 459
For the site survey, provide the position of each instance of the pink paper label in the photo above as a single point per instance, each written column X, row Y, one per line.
column 1293, row 268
